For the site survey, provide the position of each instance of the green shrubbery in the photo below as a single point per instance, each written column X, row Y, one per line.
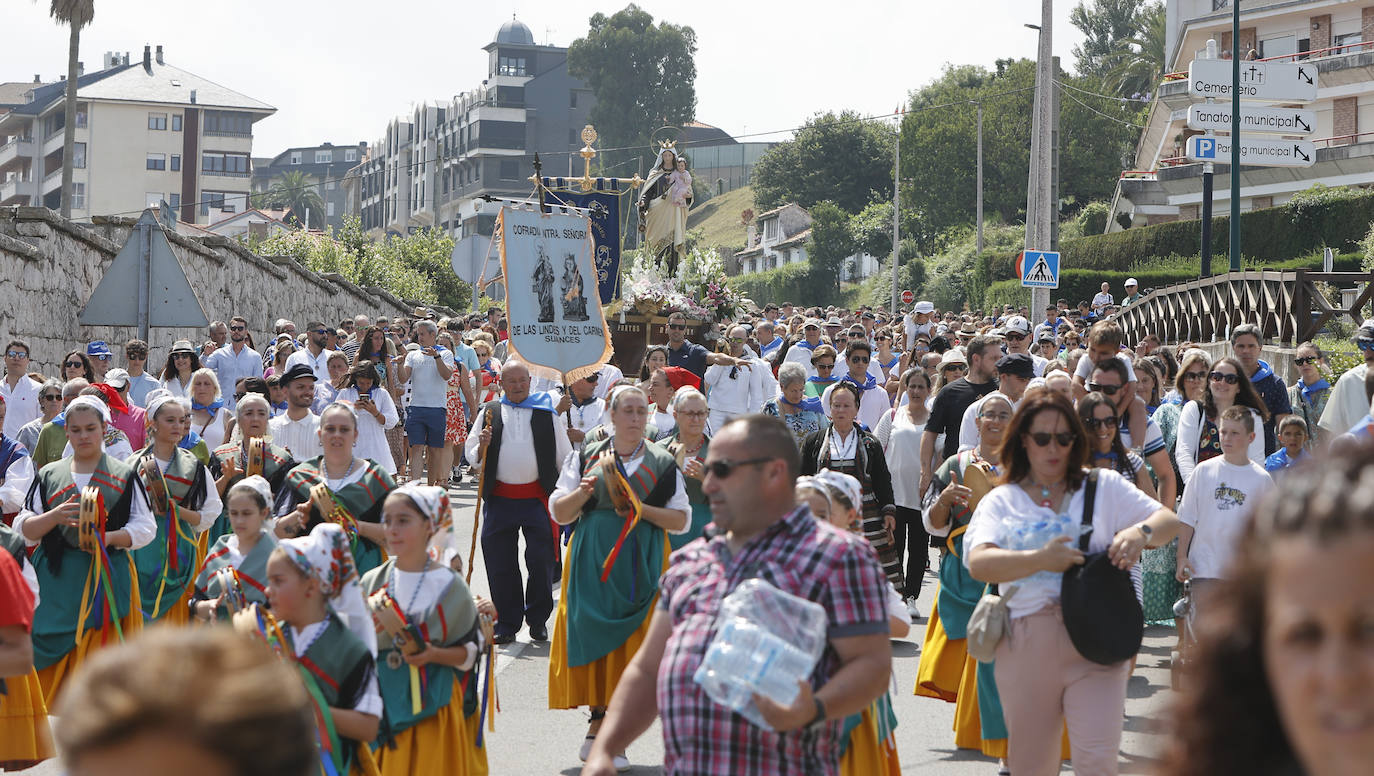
column 797, row 283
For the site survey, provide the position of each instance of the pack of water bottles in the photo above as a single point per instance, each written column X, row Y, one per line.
column 765, row 641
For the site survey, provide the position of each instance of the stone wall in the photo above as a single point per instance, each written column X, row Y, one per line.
column 49, row 267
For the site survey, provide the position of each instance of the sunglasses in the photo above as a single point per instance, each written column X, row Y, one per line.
column 825, row 366
column 677, row 326
column 1109, row 390
column 1043, row 438
column 174, row 356
column 50, row 397
column 1194, row 375
column 948, row 367
column 1014, row 337
column 99, row 358
column 74, row 365
column 1229, row 379
column 1365, row 345
column 238, row 328
column 319, row 331
column 724, row 468
column 136, row 356
column 16, row 354
column 858, row 359
column 1094, row 423
column 1305, row 360
column 735, row 340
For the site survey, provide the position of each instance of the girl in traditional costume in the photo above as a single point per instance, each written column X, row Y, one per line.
column 85, row 513
column 184, row 503
column 869, row 741
column 324, row 629
column 338, row 487
column 25, row 738
column 234, row 573
column 430, row 642
column 626, row 496
column 248, row 452
column 688, row 446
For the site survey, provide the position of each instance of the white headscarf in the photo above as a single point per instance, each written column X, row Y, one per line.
column 89, row 402
column 325, row 555
column 432, row 500
column 842, row 484
column 259, row 486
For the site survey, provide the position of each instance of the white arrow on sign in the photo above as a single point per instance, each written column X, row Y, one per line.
column 1216, row 117
column 1253, row 151
column 1265, row 81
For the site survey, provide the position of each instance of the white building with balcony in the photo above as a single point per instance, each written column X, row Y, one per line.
column 779, row 237
column 145, row 132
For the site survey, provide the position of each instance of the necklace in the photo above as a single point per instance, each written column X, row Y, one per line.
column 1045, row 500
column 692, row 451
column 349, row 470
column 324, row 626
column 633, row 453
column 393, row 659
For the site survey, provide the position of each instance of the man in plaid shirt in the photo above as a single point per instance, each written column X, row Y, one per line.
column 751, row 467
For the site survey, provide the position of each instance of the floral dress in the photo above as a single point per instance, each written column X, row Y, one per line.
column 456, row 428
column 802, row 423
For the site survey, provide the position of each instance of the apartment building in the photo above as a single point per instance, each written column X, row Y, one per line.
column 431, row 167
column 1335, row 36
column 146, row 131
column 325, row 165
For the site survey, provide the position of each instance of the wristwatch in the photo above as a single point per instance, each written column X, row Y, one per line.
column 1146, row 530
column 820, row 712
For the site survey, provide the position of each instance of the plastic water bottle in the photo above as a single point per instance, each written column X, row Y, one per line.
column 744, row 659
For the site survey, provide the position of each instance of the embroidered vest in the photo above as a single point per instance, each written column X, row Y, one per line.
column 118, row 484
column 165, row 567
column 252, row 571
column 337, row 662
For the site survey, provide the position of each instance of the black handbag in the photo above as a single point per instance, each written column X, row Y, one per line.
column 1101, row 613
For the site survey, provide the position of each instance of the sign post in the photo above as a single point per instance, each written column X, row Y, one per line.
column 1039, row 269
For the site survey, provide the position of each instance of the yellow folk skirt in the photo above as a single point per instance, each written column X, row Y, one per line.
column 443, row 744
column 593, row 684
column 942, row 661
column 364, row 764
column 25, row 737
column 52, row 677
column 866, row 755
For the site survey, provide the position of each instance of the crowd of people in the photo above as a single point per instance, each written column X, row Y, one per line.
column 300, row 493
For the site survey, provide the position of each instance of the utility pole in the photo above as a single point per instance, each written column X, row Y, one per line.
column 1054, row 160
column 896, row 211
column 1235, row 135
column 980, row 178
column 1040, row 190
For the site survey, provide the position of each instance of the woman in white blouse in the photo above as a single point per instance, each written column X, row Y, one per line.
column 1198, row 437
column 376, row 413
column 899, row 432
column 1023, row 536
column 209, row 415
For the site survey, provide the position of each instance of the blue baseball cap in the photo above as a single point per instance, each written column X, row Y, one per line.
column 98, row 348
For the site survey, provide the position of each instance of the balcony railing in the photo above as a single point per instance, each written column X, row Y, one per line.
column 226, row 133
column 1179, row 161
column 1301, row 56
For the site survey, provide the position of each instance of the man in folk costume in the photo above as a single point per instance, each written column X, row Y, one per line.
column 431, row 644
column 185, row 504
column 626, row 495
column 525, row 444
column 89, row 592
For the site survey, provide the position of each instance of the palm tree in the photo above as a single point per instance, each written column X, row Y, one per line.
column 295, row 191
column 1138, row 61
column 75, row 14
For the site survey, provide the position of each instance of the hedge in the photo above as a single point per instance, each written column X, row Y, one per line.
column 1331, row 217
column 1077, row 285
column 791, row 283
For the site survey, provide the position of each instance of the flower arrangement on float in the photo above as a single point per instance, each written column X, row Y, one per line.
column 701, row 290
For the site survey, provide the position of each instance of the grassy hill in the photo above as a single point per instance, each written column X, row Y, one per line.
column 719, row 219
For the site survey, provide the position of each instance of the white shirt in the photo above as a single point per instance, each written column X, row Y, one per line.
column 610, row 375
column 901, row 441
column 570, row 479
column 21, row 404
column 1190, row 425
column 1344, row 408
column 14, row 486
column 802, row 356
column 586, row 417
column 371, row 434
column 427, row 388
column 1118, row 504
column 230, row 367
column 728, row 397
column 1086, row 368
column 843, row 448
column 300, row 437
column 142, row 527
column 179, row 389
column 371, row 702
column 1101, row 300
column 1217, row 504
column 320, row 363
column 517, row 464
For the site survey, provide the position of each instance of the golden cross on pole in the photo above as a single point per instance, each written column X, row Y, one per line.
column 587, row 182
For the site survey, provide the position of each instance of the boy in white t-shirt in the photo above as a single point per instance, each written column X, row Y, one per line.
column 1218, row 501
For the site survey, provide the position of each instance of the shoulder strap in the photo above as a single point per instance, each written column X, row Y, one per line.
column 1089, row 496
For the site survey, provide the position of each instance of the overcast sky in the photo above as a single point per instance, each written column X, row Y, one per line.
column 338, row 71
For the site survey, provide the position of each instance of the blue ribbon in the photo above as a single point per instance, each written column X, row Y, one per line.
column 864, row 386
column 538, row 400
column 808, row 404
column 211, row 407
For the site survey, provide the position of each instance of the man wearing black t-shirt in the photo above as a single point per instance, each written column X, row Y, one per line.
column 948, row 410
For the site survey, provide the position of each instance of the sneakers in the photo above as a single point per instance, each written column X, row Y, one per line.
column 911, row 609
column 620, row 761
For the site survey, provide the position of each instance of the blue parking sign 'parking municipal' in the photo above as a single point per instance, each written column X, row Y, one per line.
column 1039, row 269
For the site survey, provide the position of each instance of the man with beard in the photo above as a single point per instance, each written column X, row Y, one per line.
column 316, row 352
column 235, row 361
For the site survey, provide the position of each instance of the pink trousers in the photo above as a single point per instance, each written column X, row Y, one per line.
column 1044, row 683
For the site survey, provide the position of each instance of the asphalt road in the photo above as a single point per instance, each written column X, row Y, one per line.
column 531, row 739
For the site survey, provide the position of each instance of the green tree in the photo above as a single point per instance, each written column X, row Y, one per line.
column 841, row 158
column 643, row 75
column 1104, row 26
column 297, row 192
column 75, row 14
column 1138, row 62
column 871, row 230
column 831, row 241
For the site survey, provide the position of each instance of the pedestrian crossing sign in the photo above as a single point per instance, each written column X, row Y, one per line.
column 1039, row 269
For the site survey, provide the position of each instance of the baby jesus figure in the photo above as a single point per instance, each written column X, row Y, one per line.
column 680, row 184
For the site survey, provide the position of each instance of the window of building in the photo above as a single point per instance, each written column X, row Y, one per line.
column 509, row 170
column 176, row 122
column 79, row 156
column 54, row 124
column 511, row 66
column 218, row 163
column 350, row 154
column 572, row 98
column 80, row 118
column 324, row 157
column 295, row 157
column 770, row 229
column 153, row 198
column 228, row 123
column 329, row 209
column 157, row 121
column 157, row 161
column 176, row 162
column 79, row 196
column 1350, row 39
column 174, row 200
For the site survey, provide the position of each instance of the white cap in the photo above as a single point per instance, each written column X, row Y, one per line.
column 924, row 307
column 117, row 378
column 953, row 356
column 1018, row 323
column 1131, row 282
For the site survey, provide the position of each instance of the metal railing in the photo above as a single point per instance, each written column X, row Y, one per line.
column 1288, row 307
column 1301, row 56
